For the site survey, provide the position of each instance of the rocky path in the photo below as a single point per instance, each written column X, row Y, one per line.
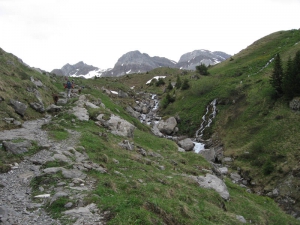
column 18, row 206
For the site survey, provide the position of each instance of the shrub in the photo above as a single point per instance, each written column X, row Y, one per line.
column 185, row 84
column 170, row 86
column 202, row 69
column 268, row 167
column 160, row 82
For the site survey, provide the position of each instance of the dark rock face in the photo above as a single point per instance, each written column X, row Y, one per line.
column 136, row 62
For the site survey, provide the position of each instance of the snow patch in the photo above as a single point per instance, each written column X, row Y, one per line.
column 91, row 74
column 156, row 77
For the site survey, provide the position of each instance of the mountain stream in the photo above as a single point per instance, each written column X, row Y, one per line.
column 207, row 118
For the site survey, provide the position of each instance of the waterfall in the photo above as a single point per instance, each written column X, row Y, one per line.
column 207, row 118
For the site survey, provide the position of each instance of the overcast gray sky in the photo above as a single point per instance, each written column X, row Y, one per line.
column 50, row 33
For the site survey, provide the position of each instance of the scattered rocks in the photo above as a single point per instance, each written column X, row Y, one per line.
column 16, row 206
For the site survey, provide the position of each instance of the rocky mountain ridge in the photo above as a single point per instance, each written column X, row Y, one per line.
column 79, row 69
column 137, row 62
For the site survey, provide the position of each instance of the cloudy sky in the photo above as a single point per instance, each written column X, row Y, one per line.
column 50, row 33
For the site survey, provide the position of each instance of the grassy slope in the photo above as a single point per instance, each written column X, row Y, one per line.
column 139, row 192
column 259, row 132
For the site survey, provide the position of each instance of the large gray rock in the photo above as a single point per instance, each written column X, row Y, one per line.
column 17, row 148
column 208, row 154
column 187, row 144
column 91, row 105
column 213, row 182
column 62, row 101
column 81, row 113
column 19, row 107
column 156, row 131
column 168, row 126
column 38, row 83
column 119, row 126
column 295, row 103
column 53, row 108
column 73, row 174
column 132, row 112
column 37, row 106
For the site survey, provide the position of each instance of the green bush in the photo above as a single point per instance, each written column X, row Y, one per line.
column 160, row 82
column 268, row 167
column 185, row 84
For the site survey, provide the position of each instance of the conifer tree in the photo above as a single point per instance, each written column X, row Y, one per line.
column 288, row 79
column 276, row 77
column 202, row 69
column 178, row 82
column 170, row 86
column 185, row 84
column 291, row 78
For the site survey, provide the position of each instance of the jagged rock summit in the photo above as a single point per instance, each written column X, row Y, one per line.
column 79, row 69
column 137, row 62
column 190, row 60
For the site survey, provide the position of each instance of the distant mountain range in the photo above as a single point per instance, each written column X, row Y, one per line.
column 137, row 62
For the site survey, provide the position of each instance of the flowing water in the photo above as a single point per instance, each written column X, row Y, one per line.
column 207, row 118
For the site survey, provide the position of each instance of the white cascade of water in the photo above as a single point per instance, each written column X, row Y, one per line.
column 206, row 122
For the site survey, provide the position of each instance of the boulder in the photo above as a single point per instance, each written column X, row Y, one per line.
column 168, row 126
column 81, row 113
column 38, row 83
column 213, row 182
column 295, row 103
column 208, row 154
column 62, row 101
column 132, row 112
column 53, row 108
column 91, row 105
column 37, row 106
column 17, row 148
column 156, row 131
column 122, row 94
column 187, row 144
column 126, row 145
column 19, row 107
column 119, row 126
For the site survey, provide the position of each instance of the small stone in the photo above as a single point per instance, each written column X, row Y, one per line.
column 68, row 205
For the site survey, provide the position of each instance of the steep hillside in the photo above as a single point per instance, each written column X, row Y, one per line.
column 258, row 133
column 144, row 179
column 23, row 87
